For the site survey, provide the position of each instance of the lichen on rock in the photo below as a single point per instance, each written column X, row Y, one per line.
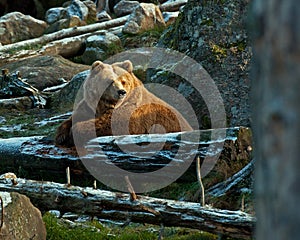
column 215, row 35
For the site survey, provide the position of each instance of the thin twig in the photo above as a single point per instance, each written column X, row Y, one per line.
column 133, row 196
column 198, row 169
column 68, row 177
column 2, row 213
column 243, row 203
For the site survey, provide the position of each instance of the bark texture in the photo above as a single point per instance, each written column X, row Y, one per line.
column 276, row 83
column 118, row 206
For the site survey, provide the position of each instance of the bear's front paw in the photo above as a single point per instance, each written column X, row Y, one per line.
column 83, row 132
column 63, row 135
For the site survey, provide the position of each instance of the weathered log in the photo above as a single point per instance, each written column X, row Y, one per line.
column 172, row 6
column 20, row 103
column 118, row 206
column 43, row 160
column 70, row 46
column 231, row 184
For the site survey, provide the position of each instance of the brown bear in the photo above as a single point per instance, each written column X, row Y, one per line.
column 115, row 102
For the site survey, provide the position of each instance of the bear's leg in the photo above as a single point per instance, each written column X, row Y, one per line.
column 64, row 134
column 86, row 130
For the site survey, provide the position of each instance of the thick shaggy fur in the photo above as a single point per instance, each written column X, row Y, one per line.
column 116, row 102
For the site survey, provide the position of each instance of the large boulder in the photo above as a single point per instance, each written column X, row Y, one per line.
column 215, row 35
column 79, row 9
column 15, row 27
column 64, row 99
column 21, row 220
column 125, row 7
column 55, row 14
column 101, row 46
column 45, row 71
column 144, row 17
column 77, row 13
column 92, row 12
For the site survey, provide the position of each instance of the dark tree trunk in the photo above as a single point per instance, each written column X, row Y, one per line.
column 276, row 118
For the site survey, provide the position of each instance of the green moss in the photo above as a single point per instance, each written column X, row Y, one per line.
column 170, row 37
column 241, row 46
column 207, row 22
column 218, row 51
column 145, row 39
column 222, row 51
column 22, row 124
column 58, row 229
column 113, row 49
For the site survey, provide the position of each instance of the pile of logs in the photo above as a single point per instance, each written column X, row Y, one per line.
column 40, row 157
column 67, row 42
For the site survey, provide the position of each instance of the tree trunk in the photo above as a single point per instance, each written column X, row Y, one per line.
column 276, row 98
column 118, row 206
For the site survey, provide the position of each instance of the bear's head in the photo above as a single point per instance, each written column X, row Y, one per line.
column 109, row 84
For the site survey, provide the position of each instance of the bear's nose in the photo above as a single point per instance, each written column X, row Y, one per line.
column 121, row 92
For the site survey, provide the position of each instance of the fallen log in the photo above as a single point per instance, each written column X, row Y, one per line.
column 20, row 103
column 41, row 159
column 64, row 33
column 231, row 184
column 118, row 206
column 70, row 46
column 172, row 6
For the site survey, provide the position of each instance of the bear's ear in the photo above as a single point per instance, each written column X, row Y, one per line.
column 127, row 65
column 98, row 63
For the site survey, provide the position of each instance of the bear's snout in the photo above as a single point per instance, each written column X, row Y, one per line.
column 122, row 92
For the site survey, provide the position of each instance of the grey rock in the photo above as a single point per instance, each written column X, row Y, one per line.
column 92, row 12
column 15, row 27
column 74, row 14
column 67, row 96
column 21, row 218
column 103, row 16
column 45, row 71
column 101, row 46
column 54, row 14
column 78, row 8
column 144, row 17
column 125, row 7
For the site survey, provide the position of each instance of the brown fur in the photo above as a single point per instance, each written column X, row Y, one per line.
column 138, row 112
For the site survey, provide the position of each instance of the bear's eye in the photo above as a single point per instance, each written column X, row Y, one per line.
column 123, row 82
